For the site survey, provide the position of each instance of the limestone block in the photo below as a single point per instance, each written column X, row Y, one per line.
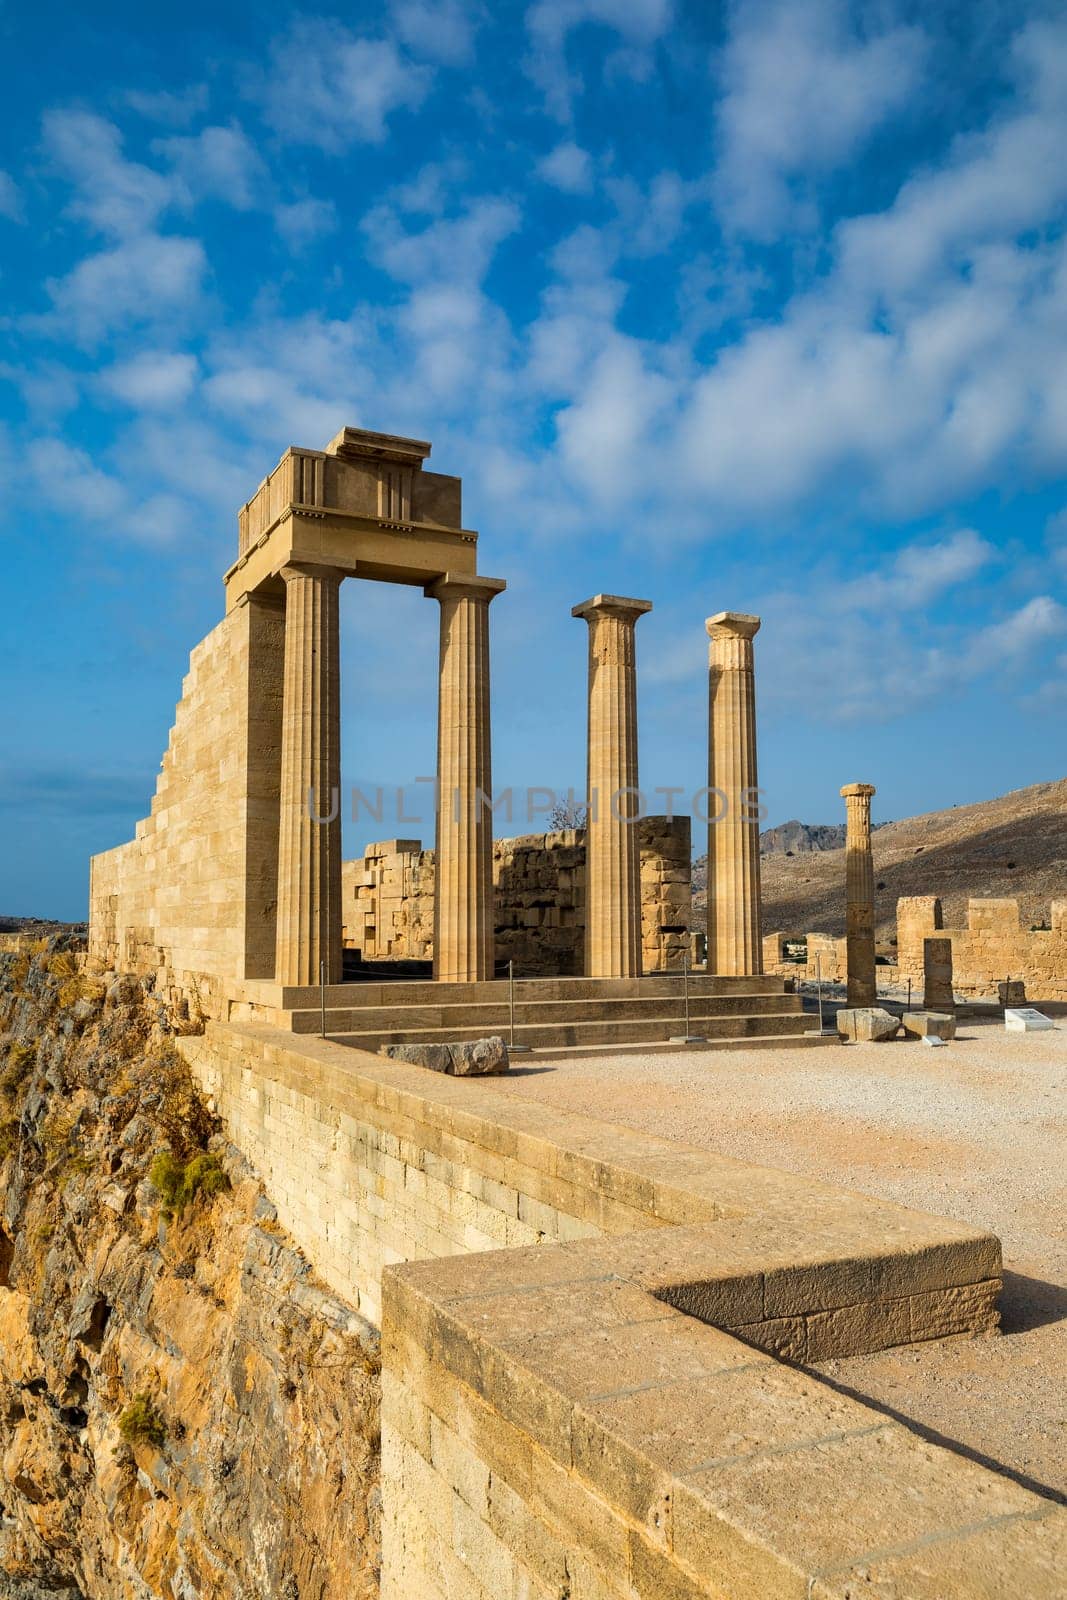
column 863, row 1024
column 1012, row 992
column 929, row 1024
column 472, row 1058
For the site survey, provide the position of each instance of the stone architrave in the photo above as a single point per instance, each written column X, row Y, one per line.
column 859, row 896
column 937, row 976
column 613, row 859
column 734, row 937
column 463, row 901
column 309, row 849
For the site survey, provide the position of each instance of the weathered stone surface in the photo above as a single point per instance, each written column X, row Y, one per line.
column 929, row 1024
column 264, row 1383
column 865, row 1023
column 469, row 1058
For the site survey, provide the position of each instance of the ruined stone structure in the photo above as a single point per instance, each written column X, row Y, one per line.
column 231, row 878
column 539, row 899
column 734, row 944
column 859, row 895
column 990, row 949
column 613, row 868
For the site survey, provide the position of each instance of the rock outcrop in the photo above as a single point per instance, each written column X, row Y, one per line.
column 184, row 1410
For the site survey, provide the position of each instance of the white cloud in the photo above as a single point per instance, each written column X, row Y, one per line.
column 175, row 109
column 301, row 222
column 443, row 30
column 1016, row 636
column 345, row 90
column 152, row 380
column 142, row 280
column 217, row 163
column 567, row 167
column 113, row 195
column 550, row 22
column 453, row 249
column 803, row 90
column 10, row 198
column 918, row 575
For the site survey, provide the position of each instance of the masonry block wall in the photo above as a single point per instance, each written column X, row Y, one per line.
column 539, row 899
column 598, row 1411
column 992, row 947
column 194, row 892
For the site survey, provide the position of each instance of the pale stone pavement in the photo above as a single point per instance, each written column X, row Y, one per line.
column 977, row 1131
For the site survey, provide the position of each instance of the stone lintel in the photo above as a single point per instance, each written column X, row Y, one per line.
column 355, row 443
column 611, row 605
column 850, row 790
column 464, row 586
column 732, row 625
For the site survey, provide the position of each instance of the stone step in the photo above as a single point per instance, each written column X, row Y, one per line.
column 404, row 991
column 491, row 1016
column 605, row 1032
column 777, row 1041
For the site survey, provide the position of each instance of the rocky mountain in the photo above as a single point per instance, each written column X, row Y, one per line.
column 184, row 1410
column 1011, row 847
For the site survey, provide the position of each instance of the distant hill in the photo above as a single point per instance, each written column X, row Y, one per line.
column 1013, row 847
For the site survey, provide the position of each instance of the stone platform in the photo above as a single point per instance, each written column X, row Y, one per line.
column 550, row 1013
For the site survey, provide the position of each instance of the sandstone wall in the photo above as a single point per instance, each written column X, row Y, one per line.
column 604, row 1415
column 992, row 947
column 193, row 893
column 539, row 899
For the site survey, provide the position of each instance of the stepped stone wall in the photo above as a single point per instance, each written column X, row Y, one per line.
column 604, row 1415
column 539, row 899
column 992, row 947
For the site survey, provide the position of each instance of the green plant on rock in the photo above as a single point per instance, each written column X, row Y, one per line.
column 141, row 1423
column 9, row 1136
column 181, row 1182
column 20, row 1059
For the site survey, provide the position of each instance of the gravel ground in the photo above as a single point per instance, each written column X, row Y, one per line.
column 977, row 1131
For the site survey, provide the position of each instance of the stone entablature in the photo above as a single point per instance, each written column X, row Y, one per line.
column 992, row 947
column 539, row 888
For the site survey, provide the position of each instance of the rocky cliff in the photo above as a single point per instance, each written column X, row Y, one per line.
column 184, row 1411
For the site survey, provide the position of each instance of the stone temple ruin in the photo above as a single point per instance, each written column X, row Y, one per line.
column 236, row 894
column 621, row 1409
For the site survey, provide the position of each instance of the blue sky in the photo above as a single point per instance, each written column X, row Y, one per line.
column 757, row 307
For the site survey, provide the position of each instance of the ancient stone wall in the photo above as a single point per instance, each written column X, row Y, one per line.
column 992, row 947
column 194, row 892
column 604, row 1416
column 539, row 898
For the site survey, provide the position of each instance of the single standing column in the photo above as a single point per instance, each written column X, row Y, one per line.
column 309, row 851
column 859, row 895
column 464, row 935
column 613, row 851
column 735, row 946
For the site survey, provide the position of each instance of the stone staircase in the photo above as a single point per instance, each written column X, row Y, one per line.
column 555, row 1013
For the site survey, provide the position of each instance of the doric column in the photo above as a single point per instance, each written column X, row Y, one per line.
column 309, row 851
column 464, row 936
column 613, row 851
column 734, row 943
column 859, row 894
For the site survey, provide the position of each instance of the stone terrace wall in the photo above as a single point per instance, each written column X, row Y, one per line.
column 193, row 893
column 539, row 890
column 579, row 1418
column 992, row 947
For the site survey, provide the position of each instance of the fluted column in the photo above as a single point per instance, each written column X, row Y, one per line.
column 613, row 854
column 309, row 851
column 735, row 945
column 464, row 935
column 859, row 894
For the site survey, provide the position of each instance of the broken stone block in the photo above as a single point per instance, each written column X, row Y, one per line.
column 479, row 1057
column 1012, row 993
column 929, row 1024
column 470, row 1058
column 435, row 1057
column 863, row 1024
